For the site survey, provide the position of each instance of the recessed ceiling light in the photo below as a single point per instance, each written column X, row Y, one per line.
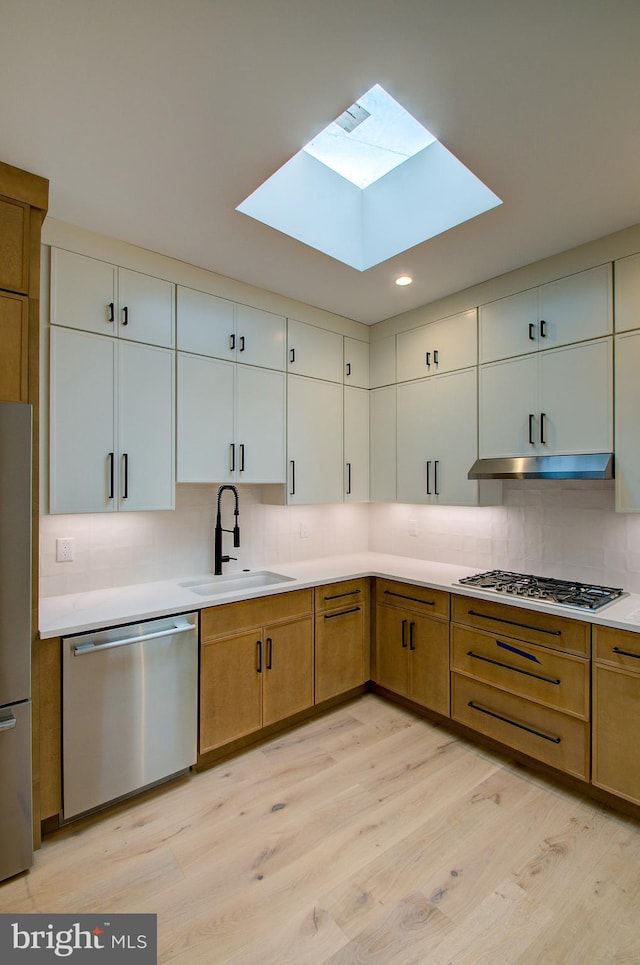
column 403, row 280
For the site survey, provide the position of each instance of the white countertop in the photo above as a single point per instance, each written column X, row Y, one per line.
column 92, row 610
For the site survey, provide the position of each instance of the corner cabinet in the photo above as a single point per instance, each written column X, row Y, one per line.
column 412, row 643
column 111, row 424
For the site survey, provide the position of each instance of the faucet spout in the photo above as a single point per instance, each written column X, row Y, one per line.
column 219, row 558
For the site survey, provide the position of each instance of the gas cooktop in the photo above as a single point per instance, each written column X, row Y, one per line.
column 584, row 596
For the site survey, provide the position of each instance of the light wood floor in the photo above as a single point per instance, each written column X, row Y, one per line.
column 367, row 835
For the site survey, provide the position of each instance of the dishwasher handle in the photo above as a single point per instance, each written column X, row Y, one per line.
column 83, row 648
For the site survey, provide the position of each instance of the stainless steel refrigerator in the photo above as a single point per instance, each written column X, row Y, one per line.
column 16, row 835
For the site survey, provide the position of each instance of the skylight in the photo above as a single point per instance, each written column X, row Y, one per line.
column 371, row 138
column 370, row 185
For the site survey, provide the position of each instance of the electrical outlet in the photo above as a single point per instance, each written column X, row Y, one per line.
column 304, row 531
column 64, row 550
column 413, row 527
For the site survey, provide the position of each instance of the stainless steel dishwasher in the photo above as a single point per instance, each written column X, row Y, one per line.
column 129, row 713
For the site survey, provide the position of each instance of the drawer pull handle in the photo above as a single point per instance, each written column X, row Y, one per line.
column 414, row 599
column 626, row 653
column 259, row 646
column 343, row 613
column 404, row 633
column 338, row 596
column 514, row 623
column 514, row 723
column 412, row 645
column 506, row 666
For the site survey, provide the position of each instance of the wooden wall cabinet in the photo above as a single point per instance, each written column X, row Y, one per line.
column 341, row 637
column 412, row 643
column 256, row 665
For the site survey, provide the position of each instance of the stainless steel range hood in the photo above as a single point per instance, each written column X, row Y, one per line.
column 597, row 465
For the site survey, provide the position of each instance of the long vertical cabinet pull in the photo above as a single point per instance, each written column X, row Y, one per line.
column 241, row 349
column 428, row 477
column 241, row 453
column 111, row 306
column 532, row 332
column 292, row 463
column 412, row 645
column 111, row 475
column 348, row 491
column 232, row 457
column 269, row 653
column 543, row 328
column 543, row 416
column 125, row 462
column 125, row 315
column 404, row 632
column 435, row 357
column 232, row 342
column 259, row 655
column 531, row 439
column 435, row 477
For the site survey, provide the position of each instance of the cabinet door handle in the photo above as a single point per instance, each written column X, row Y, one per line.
column 531, row 439
column 514, row 723
column 435, row 357
column 435, row 477
column 625, row 653
column 343, row 613
column 292, row 355
column 111, row 308
column 506, row 666
column 412, row 627
column 111, row 474
column 232, row 342
column 242, row 343
column 125, row 460
column 428, row 477
column 232, row 457
column 514, row 623
column 348, row 368
column 348, row 479
column 242, row 457
column 269, row 653
column 532, row 332
column 292, row 463
column 543, row 416
column 125, row 315
column 543, row 328
column 259, row 646
column 404, row 632
column 427, row 359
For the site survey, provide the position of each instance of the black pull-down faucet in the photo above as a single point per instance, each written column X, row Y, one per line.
column 219, row 559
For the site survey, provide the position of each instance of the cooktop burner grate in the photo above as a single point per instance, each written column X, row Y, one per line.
column 584, row 596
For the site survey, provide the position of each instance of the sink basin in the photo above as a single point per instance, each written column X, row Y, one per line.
column 234, row 582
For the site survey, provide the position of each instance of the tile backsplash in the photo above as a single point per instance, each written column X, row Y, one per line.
column 563, row 528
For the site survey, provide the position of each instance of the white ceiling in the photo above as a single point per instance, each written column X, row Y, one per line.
column 153, row 119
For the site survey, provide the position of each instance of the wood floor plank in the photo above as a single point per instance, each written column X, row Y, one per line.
column 366, row 835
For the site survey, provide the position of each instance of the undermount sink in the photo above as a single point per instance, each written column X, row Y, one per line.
column 232, row 582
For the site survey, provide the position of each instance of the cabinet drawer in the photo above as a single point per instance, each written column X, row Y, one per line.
column 532, row 626
column 342, row 594
column 433, row 603
column 542, row 733
column 543, row 675
column 229, row 618
column 618, row 648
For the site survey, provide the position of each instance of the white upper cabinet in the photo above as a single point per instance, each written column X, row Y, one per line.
column 111, row 424
column 627, row 437
column 382, row 362
column 356, row 444
column 219, row 328
column 94, row 296
column 627, row 293
column 382, row 436
column 442, row 346
column 231, row 422
column 437, row 441
column 314, row 352
column 314, row 441
column 572, row 309
column 356, row 363
column 557, row 402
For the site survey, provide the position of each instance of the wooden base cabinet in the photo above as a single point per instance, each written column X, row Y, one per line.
column 256, row 665
column 412, row 648
column 616, row 712
column 522, row 678
column 342, row 637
